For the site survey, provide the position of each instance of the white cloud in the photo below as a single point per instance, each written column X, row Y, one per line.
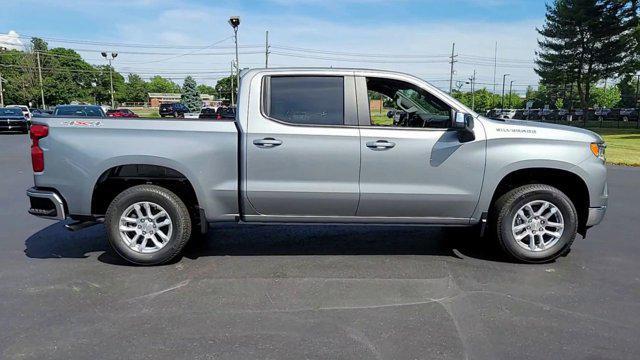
column 11, row 41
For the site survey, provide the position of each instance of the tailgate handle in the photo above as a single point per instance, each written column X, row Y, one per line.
column 267, row 142
column 380, row 145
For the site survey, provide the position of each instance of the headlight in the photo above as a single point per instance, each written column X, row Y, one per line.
column 598, row 150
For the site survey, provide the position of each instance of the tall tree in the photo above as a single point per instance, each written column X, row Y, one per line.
column 136, row 89
column 158, row 84
column 223, row 87
column 584, row 41
column 190, row 94
column 206, row 89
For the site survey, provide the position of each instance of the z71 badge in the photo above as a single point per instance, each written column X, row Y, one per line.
column 82, row 123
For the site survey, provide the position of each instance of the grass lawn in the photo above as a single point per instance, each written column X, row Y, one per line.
column 150, row 112
column 623, row 146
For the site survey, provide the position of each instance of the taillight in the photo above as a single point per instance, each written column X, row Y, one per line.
column 218, row 117
column 37, row 132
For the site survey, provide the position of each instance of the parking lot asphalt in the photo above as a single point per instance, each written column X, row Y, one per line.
column 314, row 292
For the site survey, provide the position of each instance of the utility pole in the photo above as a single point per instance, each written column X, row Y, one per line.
column 510, row 90
column 453, row 61
column 495, row 67
column 2, row 93
column 504, row 78
column 473, row 91
column 231, row 90
column 266, row 50
column 40, row 77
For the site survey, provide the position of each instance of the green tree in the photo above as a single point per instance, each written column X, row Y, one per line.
column 605, row 98
column 102, row 90
column 69, row 78
column 158, row 84
column 206, row 89
column 584, row 41
column 190, row 94
column 223, row 87
column 135, row 89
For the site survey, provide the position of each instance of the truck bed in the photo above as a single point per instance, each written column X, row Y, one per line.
column 78, row 151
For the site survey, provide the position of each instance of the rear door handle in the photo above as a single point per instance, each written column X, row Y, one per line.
column 380, row 145
column 267, row 142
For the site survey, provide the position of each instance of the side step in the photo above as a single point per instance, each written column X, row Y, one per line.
column 79, row 225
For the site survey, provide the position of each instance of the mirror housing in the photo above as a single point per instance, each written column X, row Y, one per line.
column 463, row 123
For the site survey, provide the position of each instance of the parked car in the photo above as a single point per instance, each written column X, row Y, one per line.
column 301, row 152
column 40, row 112
column 578, row 114
column 173, row 109
column 121, row 113
column 507, row 113
column 12, row 119
column 601, row 114
column 226, row 113
column 208, row 113
column 519, row 115
column 79, row 111
column 25, row 111
column 629, row 114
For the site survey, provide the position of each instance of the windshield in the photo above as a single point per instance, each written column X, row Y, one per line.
column 92, row 111
column 10, row 112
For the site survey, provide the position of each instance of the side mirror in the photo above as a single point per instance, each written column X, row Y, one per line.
column 463, row 123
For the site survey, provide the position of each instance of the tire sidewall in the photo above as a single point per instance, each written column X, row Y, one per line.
column 569, row 215
column 128, row 198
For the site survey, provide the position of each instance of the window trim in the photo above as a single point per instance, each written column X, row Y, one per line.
column 364, row 116
column 348, row 98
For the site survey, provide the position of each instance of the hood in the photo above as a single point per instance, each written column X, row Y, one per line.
column 538, row 130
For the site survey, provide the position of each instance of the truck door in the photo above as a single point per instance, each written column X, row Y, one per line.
column 413, row 166
column 303, row 148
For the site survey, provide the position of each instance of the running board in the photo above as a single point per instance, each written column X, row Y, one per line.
column 79, row 225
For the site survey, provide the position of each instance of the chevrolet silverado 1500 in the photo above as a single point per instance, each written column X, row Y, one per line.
column 308, row 146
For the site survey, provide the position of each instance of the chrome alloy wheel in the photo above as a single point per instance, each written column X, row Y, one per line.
column 537, row 226
column 145, row 227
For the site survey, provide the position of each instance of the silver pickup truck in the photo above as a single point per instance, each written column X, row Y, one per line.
column 322, row 146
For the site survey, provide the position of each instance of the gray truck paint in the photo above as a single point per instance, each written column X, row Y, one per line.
column 321, row 173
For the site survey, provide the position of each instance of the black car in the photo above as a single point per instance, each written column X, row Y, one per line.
column 12, row 119
column 79, row 110
column 207, row 113
column 173, row 109
column 226, row 113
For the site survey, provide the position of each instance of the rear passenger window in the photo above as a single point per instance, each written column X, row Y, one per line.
column 309, row 100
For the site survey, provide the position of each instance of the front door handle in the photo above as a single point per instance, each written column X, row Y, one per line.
column 267, row 142
column 380, row 145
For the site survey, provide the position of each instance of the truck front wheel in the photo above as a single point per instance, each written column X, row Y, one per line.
column 148, row 225
column 535, row 223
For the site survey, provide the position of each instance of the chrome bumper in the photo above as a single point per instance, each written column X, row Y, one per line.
column 596, row 215
column 46, row 204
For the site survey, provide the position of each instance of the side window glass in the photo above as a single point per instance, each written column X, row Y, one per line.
column 396, row 103
column 308, row 100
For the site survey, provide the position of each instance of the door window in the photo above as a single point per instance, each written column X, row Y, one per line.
column 308, row 100
column 396, row 103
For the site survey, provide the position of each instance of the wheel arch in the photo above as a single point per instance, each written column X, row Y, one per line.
column 570, row 183
column 121, row 173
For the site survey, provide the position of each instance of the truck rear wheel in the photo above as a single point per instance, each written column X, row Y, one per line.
column 148, row 225
column 535, row 223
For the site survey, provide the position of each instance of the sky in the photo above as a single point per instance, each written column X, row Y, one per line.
column 176, row 38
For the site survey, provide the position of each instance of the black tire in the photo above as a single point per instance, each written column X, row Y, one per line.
column 161, row 115
column 505, row 210
column 177, row 213
column 176, row 115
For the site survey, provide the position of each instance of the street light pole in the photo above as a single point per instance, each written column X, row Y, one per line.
column 473, row 91
column 510, row 91
column 113, row 56
column 504, row 78
column 234, row 21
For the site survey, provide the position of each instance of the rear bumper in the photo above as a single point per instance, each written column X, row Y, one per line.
column 596, row 215
column 46, row 204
